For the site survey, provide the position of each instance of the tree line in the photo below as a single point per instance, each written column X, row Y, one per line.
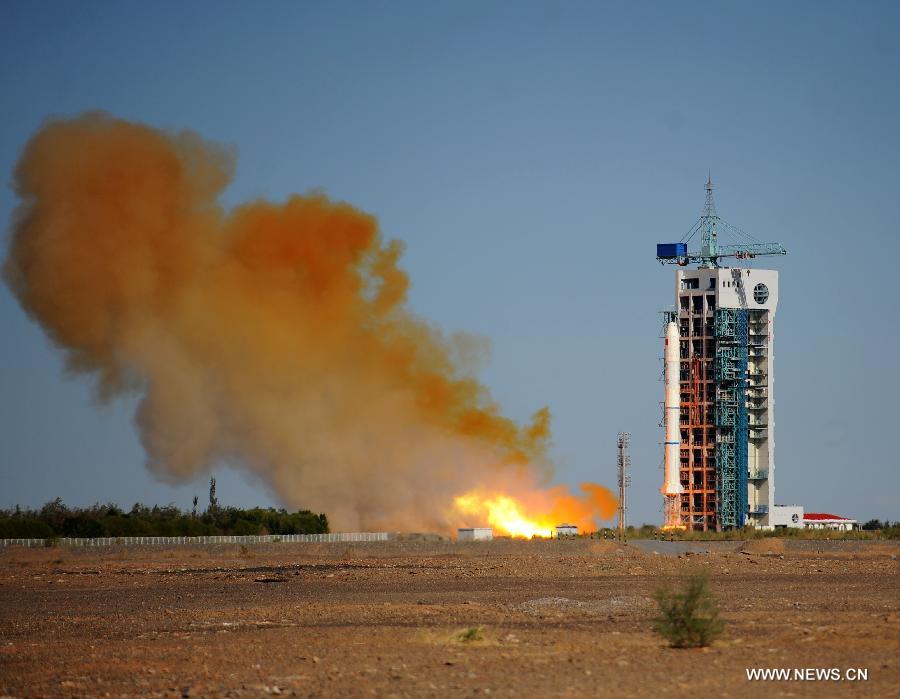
column 874, row 525
column 56, row 519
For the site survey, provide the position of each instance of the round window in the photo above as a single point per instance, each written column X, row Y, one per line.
column 760, row 293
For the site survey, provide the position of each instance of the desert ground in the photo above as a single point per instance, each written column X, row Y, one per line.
column 413, row 618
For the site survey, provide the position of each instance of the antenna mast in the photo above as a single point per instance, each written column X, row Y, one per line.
column 623, row 460
column 709, row 237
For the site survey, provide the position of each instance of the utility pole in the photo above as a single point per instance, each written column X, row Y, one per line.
column 213, row 500
column 623, row 460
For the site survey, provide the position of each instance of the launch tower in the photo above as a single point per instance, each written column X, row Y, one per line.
column 724, row 318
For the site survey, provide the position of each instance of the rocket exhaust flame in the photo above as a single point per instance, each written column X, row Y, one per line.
column 504, row 514
column 538, row 512
column 275, row 337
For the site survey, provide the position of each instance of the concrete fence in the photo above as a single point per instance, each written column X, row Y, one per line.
column 196, row 540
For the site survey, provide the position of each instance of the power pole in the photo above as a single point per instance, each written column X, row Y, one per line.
column 623, row 460
column 213, row 500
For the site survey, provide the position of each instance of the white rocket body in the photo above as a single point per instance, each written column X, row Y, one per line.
column 672, row 484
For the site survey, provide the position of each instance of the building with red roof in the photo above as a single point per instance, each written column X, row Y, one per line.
column 824, row 520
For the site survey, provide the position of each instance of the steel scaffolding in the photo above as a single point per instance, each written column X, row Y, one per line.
column 730, row 376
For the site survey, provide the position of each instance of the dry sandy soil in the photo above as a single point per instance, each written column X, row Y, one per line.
column 556, row 618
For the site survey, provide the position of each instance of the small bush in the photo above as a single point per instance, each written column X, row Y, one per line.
column 471, row 634
column 689, row 619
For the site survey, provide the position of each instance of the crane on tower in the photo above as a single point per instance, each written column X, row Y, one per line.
column 710, row 226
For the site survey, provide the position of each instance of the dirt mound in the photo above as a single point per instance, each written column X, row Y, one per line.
column 604, row 547
column 763, row 546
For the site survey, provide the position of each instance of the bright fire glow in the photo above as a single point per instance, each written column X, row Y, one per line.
column 505, row 514
column 673, row 514
column 535, row 512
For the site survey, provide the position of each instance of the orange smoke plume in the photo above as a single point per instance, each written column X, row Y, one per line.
column 273, row 336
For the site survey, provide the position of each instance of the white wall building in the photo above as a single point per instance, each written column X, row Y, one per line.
column 823, row 520
column 475, row 534
column 786, row 516
column 726, row 319
column 566, row 530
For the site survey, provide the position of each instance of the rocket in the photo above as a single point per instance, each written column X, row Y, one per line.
column 671, row 487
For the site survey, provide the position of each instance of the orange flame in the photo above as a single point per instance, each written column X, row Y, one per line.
column 537, row 513
column 505, row 514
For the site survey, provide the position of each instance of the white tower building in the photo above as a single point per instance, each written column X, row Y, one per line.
column 725, row 319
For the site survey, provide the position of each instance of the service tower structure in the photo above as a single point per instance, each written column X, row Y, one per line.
column 724, row 317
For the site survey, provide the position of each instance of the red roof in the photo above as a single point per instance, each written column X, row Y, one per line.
column 822, row 515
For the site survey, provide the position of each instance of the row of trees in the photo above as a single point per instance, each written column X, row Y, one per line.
column 874, row 525
column 55, row 519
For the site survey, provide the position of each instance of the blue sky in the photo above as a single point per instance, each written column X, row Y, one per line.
column 530, row 154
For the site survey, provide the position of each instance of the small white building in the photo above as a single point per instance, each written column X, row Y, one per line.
column 784, row 516
column 475, row 534
column 566, row 530
column 823, row 520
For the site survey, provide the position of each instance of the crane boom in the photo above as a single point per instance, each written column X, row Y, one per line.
column 710, row 252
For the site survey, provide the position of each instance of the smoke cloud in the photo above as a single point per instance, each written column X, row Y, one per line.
column 273, row 337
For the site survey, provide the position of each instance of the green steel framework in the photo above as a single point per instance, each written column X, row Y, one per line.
column 730, row 330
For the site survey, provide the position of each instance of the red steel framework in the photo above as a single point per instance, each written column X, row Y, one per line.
column 698, row 474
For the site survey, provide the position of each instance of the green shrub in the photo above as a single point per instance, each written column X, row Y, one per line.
column 689, row 619
column 242, row 527
column 470, row 634
column 24, row 527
